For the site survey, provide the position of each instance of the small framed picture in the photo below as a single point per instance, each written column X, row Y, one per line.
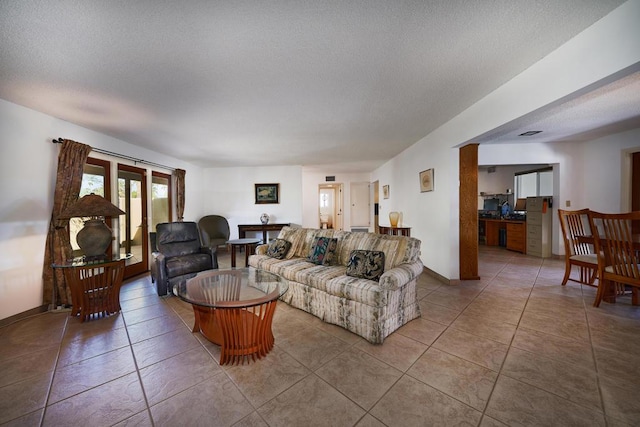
column 426, row 180
column 267, row 193
column 385, row 191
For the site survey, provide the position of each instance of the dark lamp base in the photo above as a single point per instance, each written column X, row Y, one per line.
column 94, row 238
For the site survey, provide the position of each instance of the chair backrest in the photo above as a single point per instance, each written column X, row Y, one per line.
column 214, row 227
column 616, row 241
column 178, row 238
column 574, row 224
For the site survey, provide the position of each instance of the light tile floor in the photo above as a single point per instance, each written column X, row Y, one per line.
column 514, row 348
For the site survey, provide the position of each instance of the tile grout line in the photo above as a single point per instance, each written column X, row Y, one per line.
column 135, row 363
column 499, row 373
column 55, row 370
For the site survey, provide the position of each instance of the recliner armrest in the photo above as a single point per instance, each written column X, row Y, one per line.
column 160, row 261
column 213, row 253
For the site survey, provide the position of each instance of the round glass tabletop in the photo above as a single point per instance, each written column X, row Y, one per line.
column 234, row 288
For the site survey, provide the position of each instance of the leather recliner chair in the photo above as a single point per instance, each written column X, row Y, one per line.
column 180, row 254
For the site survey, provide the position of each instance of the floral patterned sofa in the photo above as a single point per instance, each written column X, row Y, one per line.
column 336, row 289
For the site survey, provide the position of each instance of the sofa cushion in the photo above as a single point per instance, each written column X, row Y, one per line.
column 302, row 239
column 364, row 291
column 323, row 250
column 366, row 264
column 278, row 248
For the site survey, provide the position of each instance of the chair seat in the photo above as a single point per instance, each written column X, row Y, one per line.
column 588, row 258
column 609, row 269
column 185, row 264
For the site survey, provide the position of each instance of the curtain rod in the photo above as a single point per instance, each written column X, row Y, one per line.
column 122, row 156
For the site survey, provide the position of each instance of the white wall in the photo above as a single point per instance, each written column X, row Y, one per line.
column 28, row 163
column 234, row 197
column 230, row 192
column 311, row 178
column 594, row 57
column 608, row 48
column 590, row 174
column 607, row 172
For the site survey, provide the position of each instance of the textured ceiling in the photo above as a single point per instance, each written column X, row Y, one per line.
column 612, row 108
column 243, row 83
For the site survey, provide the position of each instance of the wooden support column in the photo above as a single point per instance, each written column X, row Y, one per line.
column 469, row 212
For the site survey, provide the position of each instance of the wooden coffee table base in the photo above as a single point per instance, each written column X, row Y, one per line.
column 242, row 333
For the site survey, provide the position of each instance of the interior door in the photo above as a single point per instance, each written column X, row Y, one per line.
column 330, row 205
column 360, row 205
column 132, row 232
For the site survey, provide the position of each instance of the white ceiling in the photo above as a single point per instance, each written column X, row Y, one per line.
column 306, row 82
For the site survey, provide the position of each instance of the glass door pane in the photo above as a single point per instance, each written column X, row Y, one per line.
column 132, row 232
column 95, row 179
column 160, row 199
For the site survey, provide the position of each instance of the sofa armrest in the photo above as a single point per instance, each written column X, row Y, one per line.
column 262, row 249
column 401, row 275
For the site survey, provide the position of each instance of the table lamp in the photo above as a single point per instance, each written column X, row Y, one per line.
column 95, row 236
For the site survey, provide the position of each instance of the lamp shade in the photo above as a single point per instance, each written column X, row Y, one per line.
column 91, row 205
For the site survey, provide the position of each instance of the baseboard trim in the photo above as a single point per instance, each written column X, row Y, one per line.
column 25, row 314
column 437, row 276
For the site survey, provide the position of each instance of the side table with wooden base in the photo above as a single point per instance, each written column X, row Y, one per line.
column 95, row 286
column 247, row 244
column 395, row 231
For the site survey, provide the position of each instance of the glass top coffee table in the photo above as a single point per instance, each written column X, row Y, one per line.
column 234, row 309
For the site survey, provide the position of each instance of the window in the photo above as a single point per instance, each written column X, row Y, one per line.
column 95, row 179
column 534, row 183
column 160, row 199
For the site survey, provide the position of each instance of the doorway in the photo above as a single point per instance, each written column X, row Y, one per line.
column 330, row 206
column 360, row 206
column 132, row 232
column 376, row 207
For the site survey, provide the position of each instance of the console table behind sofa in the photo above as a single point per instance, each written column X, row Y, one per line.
column 264, row 228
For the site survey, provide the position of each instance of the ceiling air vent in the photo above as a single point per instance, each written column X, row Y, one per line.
column 491, row 169
column 329, row 178
column 530, row 133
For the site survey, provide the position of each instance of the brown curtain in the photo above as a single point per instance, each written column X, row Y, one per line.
column 179, row 174
column 71, row 160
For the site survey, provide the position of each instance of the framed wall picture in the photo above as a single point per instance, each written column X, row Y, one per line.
column 267, row 193
column 385, row 191
column 426, row 180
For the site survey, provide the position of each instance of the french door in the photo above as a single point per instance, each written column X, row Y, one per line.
column 132, row 232
column 96, row 179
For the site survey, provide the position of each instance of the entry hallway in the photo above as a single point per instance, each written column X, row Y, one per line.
column 515, row 348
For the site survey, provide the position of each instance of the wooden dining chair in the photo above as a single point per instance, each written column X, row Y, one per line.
column 618, row 253
column 575, row 224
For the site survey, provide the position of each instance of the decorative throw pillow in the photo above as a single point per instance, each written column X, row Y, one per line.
column 366, row 264
column 323, row 250
column 278, row 248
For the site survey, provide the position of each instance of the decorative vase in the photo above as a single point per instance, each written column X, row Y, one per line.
column 264, row 218
column 393, row 218
column 94, row 238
